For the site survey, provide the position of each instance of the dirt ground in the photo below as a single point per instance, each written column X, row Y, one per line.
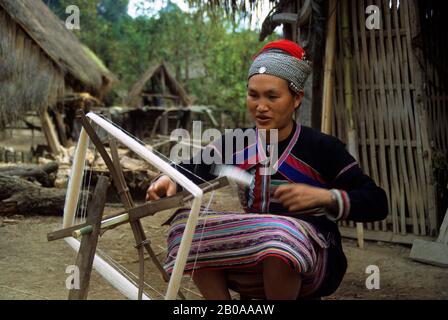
column 32, row 268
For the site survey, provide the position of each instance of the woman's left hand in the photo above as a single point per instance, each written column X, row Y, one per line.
column 298, row 196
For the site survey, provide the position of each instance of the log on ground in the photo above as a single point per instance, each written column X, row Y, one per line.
column 18, row 196
column 44, row 174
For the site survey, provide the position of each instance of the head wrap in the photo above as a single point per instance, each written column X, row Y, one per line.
column 284, row 59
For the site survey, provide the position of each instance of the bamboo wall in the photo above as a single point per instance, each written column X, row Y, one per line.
column 401, row 122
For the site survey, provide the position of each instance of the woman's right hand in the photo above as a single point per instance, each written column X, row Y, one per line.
column 162, row 187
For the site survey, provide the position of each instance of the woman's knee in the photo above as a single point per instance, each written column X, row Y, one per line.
column 208, row 275
column 276, row 263
column 277, row 270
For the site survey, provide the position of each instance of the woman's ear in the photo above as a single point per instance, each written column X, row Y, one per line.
column 298, row 99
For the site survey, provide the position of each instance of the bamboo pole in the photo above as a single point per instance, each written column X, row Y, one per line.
column 74, row 183
column 330, row 45
column 348, row 95
column 327, row 108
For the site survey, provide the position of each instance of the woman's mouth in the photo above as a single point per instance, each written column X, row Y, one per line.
column 263, row 119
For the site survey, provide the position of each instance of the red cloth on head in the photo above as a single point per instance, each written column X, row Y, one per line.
column 289, row 46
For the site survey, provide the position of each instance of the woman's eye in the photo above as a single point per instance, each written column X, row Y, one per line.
column 273, row 97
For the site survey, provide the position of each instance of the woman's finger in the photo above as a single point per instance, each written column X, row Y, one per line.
column 171, row 189
column 281, row 190
column 290, row 201
column 296, row 207
column 152, row 193
column 288, row 195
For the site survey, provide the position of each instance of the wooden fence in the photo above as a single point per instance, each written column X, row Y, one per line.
column 9, row 155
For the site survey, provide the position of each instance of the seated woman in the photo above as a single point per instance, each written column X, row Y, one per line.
column 279, row 248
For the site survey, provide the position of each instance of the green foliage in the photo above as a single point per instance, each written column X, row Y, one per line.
column 208, row 53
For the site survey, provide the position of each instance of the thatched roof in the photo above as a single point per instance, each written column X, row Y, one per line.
column 174, row 87
column 61, row 45
column 40, row 59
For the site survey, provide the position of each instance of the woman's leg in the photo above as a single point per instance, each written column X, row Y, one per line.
column 281, row 282
column 248, row 282
column 212, row 284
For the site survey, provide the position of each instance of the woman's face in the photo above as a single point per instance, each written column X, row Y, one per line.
column 271, row 103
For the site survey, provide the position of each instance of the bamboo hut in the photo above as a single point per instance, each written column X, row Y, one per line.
column 396, row 89
column 157, row 103
column 155, row 87
column 41, row 62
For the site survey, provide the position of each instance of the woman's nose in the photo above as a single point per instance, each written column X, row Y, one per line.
column 262, row 106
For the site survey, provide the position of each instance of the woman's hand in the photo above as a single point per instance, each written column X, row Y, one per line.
column 298, row 196
column 163, row 186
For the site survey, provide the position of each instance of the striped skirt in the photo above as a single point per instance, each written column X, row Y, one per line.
column 230, row 240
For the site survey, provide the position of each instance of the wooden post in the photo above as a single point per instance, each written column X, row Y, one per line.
column 50, row 133
column 162, row 83
column 327, row 103
column 86, row 254
column 348, row 93
column 164, row 124
column 290, row 29
column 316, row 55
column 164, row 121
column 60, row 126
column 9, row 156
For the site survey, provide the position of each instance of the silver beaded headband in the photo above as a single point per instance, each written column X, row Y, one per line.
column 277, row 63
